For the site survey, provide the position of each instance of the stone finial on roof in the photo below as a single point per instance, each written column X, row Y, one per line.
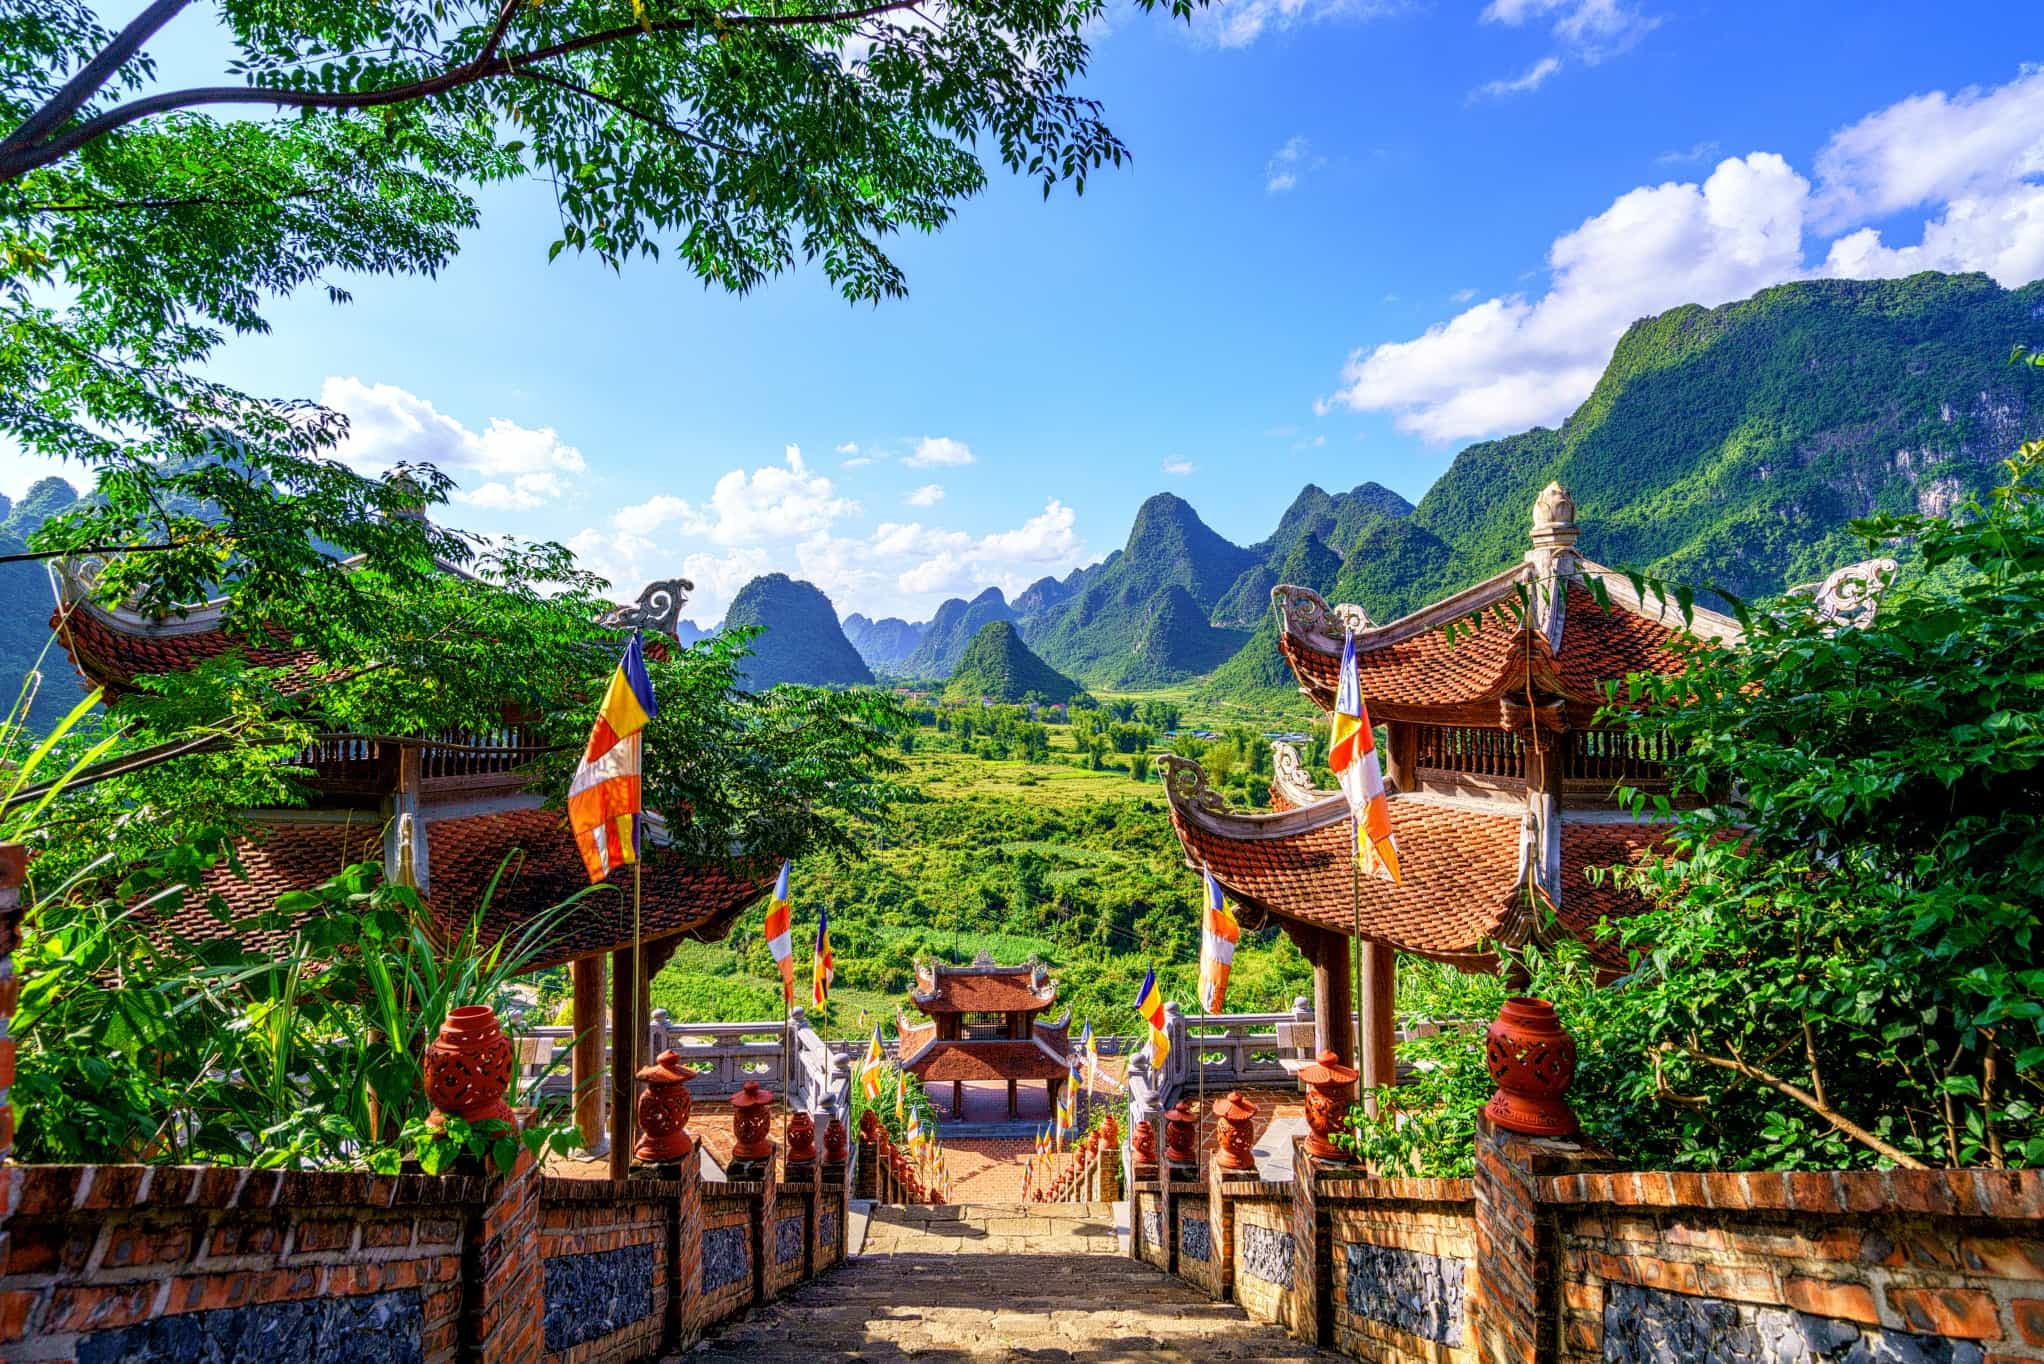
column 1554, row 518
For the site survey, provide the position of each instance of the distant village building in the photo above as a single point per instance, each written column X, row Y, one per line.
column 982, row 1023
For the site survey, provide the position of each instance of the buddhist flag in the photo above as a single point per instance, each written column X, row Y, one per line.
column 603, row 799
column 1353, row 757
column 900, row 1098
column 869, row 1074
column 1150, row 1004
column 825, row 968
column 1218, row 934
column 1088, row 1045
column 780, row 916
column 915, row 1132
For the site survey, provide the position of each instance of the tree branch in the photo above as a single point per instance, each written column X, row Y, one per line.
column 1810, row 1101
column 650, row 120
column 187, row 201
column 92, row 76
column 20, row 155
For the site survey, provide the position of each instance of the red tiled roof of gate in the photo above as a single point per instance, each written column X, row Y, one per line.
column 1597, row 645
column 979, row 991
column 700, row 901
column 114, row 657
column 1421, row 670
column 985, row 1061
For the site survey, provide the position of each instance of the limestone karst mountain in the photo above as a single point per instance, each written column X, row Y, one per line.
column 998, row 666
column 800, row 639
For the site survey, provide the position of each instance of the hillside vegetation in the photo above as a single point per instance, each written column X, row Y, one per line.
column 998, row 666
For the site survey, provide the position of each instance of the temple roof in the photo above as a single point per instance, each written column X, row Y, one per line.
column 982, row 988
column 283, row 854
column 1538, row 625
column 1044, row 1055
column 1467, row 865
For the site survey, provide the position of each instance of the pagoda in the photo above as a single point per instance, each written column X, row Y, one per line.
column 1502, row 781
column 981, row 1022
column 442, row 813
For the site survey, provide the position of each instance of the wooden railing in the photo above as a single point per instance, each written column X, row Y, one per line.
column 1611, row 757
column 1470, row 751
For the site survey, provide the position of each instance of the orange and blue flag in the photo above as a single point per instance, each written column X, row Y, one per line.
column 780, row 915
column 825, row 969
column 604, row 800
column 1150, row 1004
column 869, row 1074
column 1218, row 934
column 1352, row 755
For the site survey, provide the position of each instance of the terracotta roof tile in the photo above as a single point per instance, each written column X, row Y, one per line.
column 985, row 1061
column 1597, row 645
column 114, row 658
column 979, row 991
column 463, row 854
column 1422, row 670
column 1584, row 902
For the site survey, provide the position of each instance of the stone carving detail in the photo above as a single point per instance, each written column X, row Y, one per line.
column 589, row 1296
column 1265, row 1254
column 787, row 1240
column 1416, row 1292
column 1195, row 1239
column 1554, row 517
column 1185, row 783
column 1290, row 777
column 826, row 1230
column 376, row 1328
column 1153, row 1227
column 658, row 608
column 725, row 1261
column 1850, row 595
column 1306, row 612
column 1651, row 1324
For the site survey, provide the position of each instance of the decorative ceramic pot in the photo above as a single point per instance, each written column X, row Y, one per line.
column 751, row 1123
column 801, row 1138
column 1181, row 1135
column 869, row 1128
column 1111, row 1131
column 1330, row 1093
column 1532, row 1059
column 664, row 1105
column 1145, row 1140
column 1236, row 1139
column 834, row 1149
column 468, row 1067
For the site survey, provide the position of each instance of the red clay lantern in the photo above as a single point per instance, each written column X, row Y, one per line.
column 664, row 1105
column 1145, row 1140
column 1330, row 1093
column 1181, row 1135
column 1236, row 1138
column 1532, row 1059
column 801, row 1138
column 751, row 1123
column 468, row 1068
column 834, row 1148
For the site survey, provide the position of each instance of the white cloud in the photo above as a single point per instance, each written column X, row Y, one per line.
column 856, row 462
column 1311, row 443
column 1592, row 29
column 775, row 502
column 1531, row 79
column 1684, row 156
column 938, row 450
column 1462, row 295
column 504, row 467
column 1178, row 468
column 1238, row 23
column 929, row 495
column 1288, row 163
column 1973, row 163
column 850, row 447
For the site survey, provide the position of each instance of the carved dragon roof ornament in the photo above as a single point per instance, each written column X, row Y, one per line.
column 1291, row 779
column 1185, row 783
column 658, row 608
column 1303, row 611
column 1851, row 595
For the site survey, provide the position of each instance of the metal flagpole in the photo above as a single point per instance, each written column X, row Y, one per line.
column 1355, row 898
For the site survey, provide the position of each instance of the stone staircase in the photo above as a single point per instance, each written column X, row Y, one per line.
column 996, row 1281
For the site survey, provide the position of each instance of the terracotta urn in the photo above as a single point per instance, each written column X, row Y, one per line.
column 1532, row 1059
column 1181, row 1135
column 1235, row 1140
column 752, row 1123
column 869, row 1128
column 664, row 1105
column 1330, row 1093
column 835, row 1151
column 1145, row 1142
column 801, row 1138
column 468, row 1068
column 1111, row 1131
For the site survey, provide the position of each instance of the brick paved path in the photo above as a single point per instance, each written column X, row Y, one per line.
column 986, row 1282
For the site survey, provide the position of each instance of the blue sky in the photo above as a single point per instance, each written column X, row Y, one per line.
column 1355, row 236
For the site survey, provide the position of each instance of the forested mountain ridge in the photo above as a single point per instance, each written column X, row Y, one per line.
column 799, row 639
column 951, row 629
column 998, row 666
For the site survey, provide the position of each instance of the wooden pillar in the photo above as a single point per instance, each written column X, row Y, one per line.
column 586, row 1066
column 1014, row 1109
column 958, row 1100
column 1333, row 1003
column 625, row 1027
column 1402, row 756
column 1380, row 989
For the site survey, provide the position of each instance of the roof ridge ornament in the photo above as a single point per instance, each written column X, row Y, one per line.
column 1290, row 777
column 1185, row 783
column 1849, row 596
column 1554, row 518
column 1303, row 611
column 658, row 608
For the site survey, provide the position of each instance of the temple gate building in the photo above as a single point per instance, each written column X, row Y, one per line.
column 982, row 1023
column 1501, row 778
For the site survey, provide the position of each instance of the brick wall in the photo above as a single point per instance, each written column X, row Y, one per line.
column 168, row 1263
column 1546, row 1257
column 1901, row 1265
column 1402, row 1268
